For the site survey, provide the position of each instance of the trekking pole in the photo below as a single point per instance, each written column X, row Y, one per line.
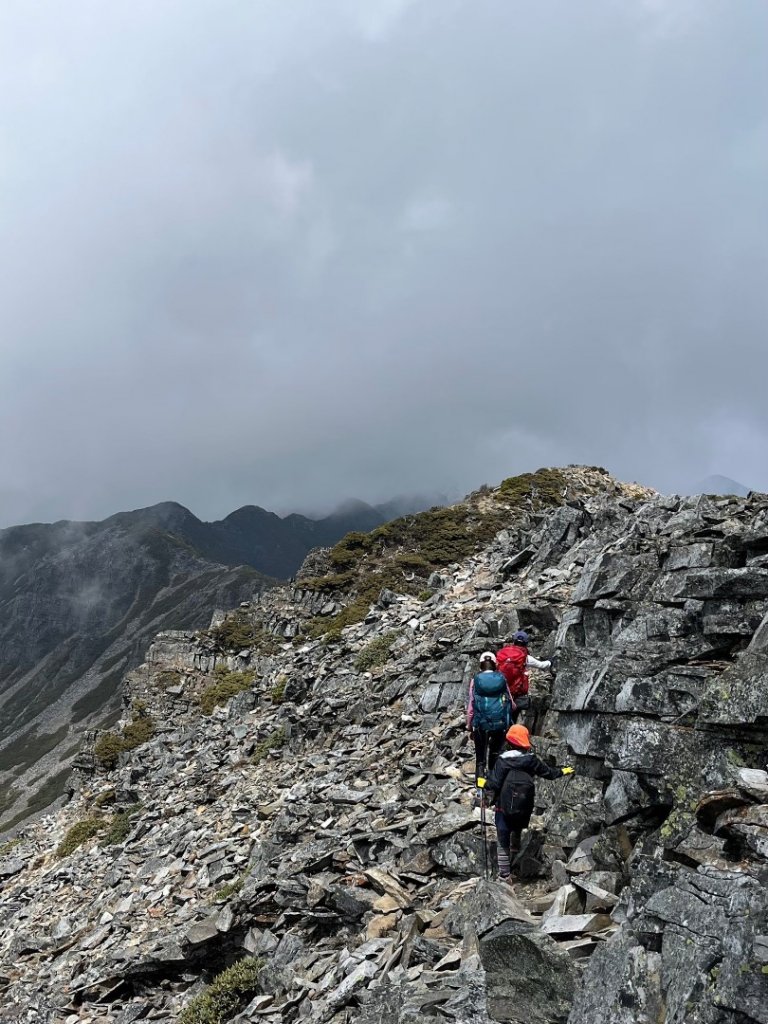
column 484, row 825
column 556, row 805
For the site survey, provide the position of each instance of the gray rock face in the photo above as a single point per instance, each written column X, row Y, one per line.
column 323, row 819
column 529, row 978
column 706, row 927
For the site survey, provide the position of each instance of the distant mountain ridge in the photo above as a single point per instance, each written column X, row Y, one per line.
column 253, row 536
column 717, row 484
column 80, row 601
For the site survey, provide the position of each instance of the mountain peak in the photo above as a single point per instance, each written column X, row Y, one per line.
column 249, row 514
column 168, row 515
column 717, row 484
column 352, row 507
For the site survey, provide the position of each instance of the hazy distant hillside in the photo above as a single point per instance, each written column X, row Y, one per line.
column 717, row 484
column 79, row 602
column 253, row 536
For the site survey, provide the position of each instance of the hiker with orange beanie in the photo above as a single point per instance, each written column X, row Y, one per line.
column 511, row 790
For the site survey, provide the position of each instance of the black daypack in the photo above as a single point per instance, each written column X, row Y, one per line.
column 518, row 793
column 491, row 699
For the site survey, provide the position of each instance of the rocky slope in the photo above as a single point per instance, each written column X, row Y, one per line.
column 79, row 603
column 311, row 848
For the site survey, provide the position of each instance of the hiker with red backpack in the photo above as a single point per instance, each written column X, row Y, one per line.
column 490, row 710
column 513, row 662
column 511, row 790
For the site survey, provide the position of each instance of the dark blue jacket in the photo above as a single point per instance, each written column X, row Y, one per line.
column 511, row 785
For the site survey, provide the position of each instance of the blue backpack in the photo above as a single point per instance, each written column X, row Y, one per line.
column 492, row 706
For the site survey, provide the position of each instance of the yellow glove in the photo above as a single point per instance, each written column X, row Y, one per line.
column 568, row 771
column 481, row 783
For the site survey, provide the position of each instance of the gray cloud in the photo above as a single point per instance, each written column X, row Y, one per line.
column 287, row 252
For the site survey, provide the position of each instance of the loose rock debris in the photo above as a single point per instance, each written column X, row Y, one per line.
column 323, row 820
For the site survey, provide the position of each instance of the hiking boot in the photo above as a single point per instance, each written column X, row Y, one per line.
column 506, row 879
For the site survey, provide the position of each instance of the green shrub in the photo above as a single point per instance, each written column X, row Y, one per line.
column 332, row 625
column 107, row 749
column 170, row 677
column 226, row 995
column 446, row 535
column 376, row 652
column 413, row 563
column 107, row 797
column 332, row 636
column 226, row 686
column 120, row 826
column 230, row 889
column 234, row 633
column 274, row 741
column 354, row 541
column 8, row 846
column 329, row 583
column 542, row 488
column 80, row 832
column 138, row 731
column 109, row 746
column 238, row 632
column 342, row 557
column 277, row 693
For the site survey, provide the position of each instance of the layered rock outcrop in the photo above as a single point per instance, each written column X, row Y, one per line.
column 321, row 821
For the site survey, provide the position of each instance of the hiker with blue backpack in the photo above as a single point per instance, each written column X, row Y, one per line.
column 490, row 708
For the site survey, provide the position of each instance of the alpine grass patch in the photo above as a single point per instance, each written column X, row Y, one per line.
column 376, row 652
column 226, row 685
column 239, row 632
column 80, row 833
column 274, row 741
column 120, row 825
column 230, row 889
column 401, row 555
column 110, row 745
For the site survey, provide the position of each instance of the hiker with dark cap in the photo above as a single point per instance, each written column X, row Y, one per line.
column 510, row 789
column 513, row 662
column 490, row 708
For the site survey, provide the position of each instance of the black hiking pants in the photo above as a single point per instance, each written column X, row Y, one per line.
column 487, row 748
column 508, row 830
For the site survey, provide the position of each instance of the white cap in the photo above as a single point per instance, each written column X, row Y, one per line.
column 488, row 656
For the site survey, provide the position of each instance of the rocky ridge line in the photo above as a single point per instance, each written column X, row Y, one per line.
column 330, row 807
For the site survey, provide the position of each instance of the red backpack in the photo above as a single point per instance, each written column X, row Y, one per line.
column 510, row 661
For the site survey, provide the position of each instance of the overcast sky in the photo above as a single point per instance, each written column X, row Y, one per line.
column 283, row 252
